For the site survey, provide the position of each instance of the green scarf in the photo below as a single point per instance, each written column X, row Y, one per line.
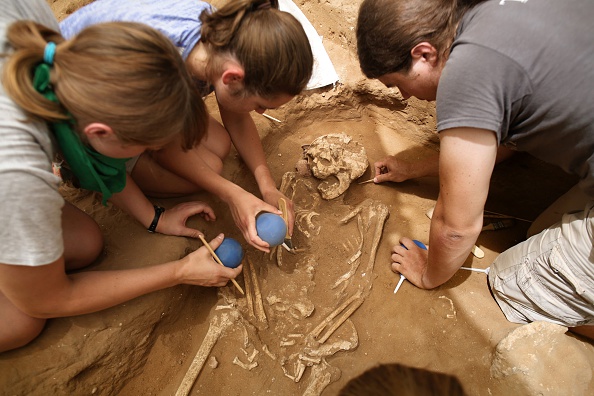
column 93, row 170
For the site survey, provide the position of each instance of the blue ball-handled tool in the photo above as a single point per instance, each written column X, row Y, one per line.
column 271, row 228
column 418, row 243
column 402, row 278
column 230, row 253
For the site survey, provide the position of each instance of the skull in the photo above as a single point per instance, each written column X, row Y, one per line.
column 338, row 155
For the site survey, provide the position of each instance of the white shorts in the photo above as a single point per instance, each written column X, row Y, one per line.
column 550, row 276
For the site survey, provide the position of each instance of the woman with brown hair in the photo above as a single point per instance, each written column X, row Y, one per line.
column 254, row 57
column 110, row 93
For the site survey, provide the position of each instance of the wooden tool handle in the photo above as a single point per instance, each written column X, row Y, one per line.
column 282, row 205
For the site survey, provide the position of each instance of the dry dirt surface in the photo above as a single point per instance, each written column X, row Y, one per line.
column 310, row 322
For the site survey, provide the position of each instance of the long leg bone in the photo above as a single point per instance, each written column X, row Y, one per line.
column 258, row 306
column 354, row 261
column 341, row 320
column 218, row 324
column 381, row 211
column 247, row 279
column 318, row 329
column 379, row 227
column 329, row 349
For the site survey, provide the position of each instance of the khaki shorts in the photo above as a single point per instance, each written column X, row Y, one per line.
column 550, row 276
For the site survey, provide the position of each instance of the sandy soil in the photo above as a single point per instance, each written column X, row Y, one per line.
column 147, row 345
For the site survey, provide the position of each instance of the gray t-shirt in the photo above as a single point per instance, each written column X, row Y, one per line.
column 31, row 206
column 525, row 70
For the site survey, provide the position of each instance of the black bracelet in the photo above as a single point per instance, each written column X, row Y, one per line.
column 158, row 211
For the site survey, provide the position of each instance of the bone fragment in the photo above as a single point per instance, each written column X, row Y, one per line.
column 220, row 307
column 255, row 353
column 286, row 181
column 267, row 351
column 320, row 379
column 306, row 216
column 291, row 377
column 213, row 363
column 300, row 369
column 287, row 343
column 330, row 349
column 217, row 325
column 245, row 366
column 301, row 310
column 345, row 277
column 452, row 308
column 309, row 360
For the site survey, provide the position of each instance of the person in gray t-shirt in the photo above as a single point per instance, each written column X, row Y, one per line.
column 505, row 74
column 43, row 112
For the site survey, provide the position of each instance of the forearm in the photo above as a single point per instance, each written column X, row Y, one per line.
column 448, row 250
column 246, row 140
column 133, row 201
column 466, row 162
column 428, row 166
column 97, row 290
column 46, row 291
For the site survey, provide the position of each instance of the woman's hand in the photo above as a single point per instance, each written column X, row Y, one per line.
column 199, row 267
column 272, row 197
column 244, row 209
column 173, row 221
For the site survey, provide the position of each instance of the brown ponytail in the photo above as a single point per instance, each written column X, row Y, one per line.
column 271, row 45
column 30, row 40
column 126, row 75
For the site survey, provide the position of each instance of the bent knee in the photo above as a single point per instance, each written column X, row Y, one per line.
column 87, row 249
column 21, row 333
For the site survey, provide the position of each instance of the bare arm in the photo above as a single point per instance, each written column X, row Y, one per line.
column 47, row 291
column 247, row 141
column 465, row 166
column 192, row 166
column 397, row 170
column 172, row 222
column 393, row 169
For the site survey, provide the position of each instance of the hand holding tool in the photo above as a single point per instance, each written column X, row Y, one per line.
column 218, row 260
column 402, row 277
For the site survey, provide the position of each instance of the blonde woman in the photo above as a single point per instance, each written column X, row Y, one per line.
column 110, row 93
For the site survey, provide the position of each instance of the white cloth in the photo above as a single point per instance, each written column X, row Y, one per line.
column 323, row 71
